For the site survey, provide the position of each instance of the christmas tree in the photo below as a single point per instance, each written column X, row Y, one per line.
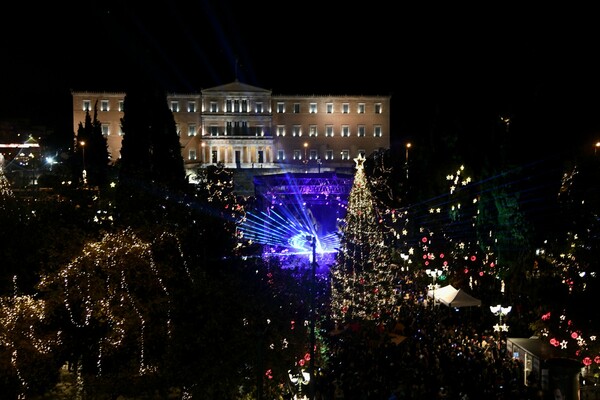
column 363, row 280
column 5, row 189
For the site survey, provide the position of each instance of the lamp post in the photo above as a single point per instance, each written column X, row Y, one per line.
column 303, row 378
column 408, row 146
column 83, row 172
column 311, row 366
column 500, row 312
column 305, row 158
column 434, row 274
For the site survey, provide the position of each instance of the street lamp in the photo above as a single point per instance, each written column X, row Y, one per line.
column 408, row 145
column 303, row 378
column 305, row 157
column 84, row 172
column 500, row 312
column 313, row 314
column 596, row 147
column 434, row 274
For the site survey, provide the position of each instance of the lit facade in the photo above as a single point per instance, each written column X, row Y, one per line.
column 246, row 127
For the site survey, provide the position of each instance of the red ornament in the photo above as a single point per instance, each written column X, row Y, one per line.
column 587, row 361
column 574, row 335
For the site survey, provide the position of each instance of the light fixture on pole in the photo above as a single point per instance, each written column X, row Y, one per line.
column 408, row 146
column 500, row 312
column 83, row 172
column 305, row 158
column 313, row 316
column 303, row 378
column 434, row 274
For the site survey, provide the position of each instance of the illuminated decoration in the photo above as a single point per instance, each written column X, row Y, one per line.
column 295, row 206
column 299, row 380
column 5, row 189
column 501, row 312
column 109, row 286
column 21, row 332
column 363, row 280
column 434, row 274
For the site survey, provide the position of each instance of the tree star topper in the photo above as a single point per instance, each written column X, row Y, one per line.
column 360, row 160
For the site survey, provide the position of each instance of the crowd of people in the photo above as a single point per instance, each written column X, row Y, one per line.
column 431, row 352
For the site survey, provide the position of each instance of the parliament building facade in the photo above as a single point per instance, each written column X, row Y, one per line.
column 247, row 127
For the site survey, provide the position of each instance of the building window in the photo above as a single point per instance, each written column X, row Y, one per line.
column 377, row 108
column 245, row 105
column 296, row 131
column 362, row 152
column 280, row 107
column 280, row 155
column 261, row 156
column 345, row 108
column 313, row 154
column 329, row 108
column 329, row 131
column 328, row 155
column 228, row 128
column 192, row 130
column 121, row 105
column 361, row 108
column 192, row 154
column 312, row 131
column 105, row 130
column 260, row 130
column 296, row 108
column 259, row 107
column 297, row 155
column 228, row 106
column 192, row 106
column 345, row 155
column 361, row 131
column 175, row 106
column 213, row 130
column 377, row 132
column 214, row 107
column 313, row 108
column 345, row 131
column 213, row 157
column 280, row 130
column 104, row 105
column 87, row 105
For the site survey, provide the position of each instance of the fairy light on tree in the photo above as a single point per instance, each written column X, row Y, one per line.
column 362, row 279
column 24, row 335
column 117, row 301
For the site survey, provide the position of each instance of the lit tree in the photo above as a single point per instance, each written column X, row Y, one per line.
column 363, row 279
column 5, row 189
column 116, row 305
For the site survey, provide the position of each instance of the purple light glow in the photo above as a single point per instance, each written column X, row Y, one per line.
column 296, row 208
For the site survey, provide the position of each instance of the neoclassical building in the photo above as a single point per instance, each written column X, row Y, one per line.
column 247, row 127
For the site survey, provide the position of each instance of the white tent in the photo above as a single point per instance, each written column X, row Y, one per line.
column 452, row 297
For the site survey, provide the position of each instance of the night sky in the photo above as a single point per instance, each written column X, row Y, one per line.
column 465, row 67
